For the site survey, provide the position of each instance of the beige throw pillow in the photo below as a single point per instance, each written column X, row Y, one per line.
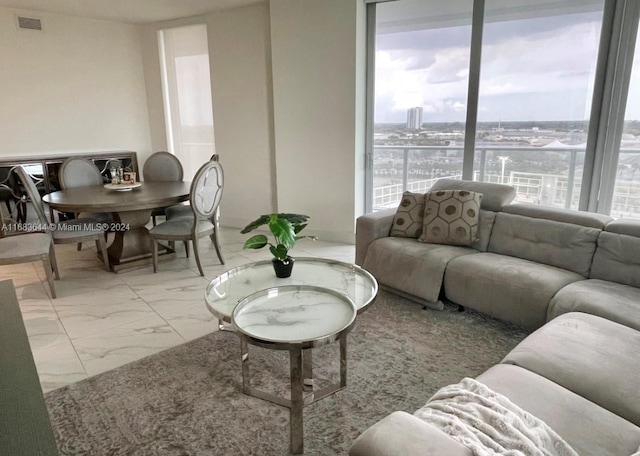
column 451, row 217
column 408, row 219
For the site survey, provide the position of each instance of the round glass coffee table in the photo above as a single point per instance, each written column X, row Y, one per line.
column 294, row 318
column 225, row 291
column 336, row 279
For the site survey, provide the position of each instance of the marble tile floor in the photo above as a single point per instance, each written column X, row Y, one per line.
column 101, row 320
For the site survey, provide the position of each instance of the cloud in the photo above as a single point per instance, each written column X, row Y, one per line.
column 449, row 66
column 528, row 62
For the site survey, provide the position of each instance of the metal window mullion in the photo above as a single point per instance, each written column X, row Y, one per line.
column 625, row 28
column 592, row 166
column 477, row 26
column 370, row 107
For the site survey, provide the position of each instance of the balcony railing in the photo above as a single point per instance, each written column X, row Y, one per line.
column 416, row 168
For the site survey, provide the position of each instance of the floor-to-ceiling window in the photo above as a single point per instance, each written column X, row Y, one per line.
column 535, row 115
column 421, row 77
column 626, row 194
column 184, row 54
column 536, row 82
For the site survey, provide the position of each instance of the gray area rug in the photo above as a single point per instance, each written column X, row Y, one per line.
column 188, row 400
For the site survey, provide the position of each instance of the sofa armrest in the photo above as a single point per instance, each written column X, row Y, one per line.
column 24, row 419
column 402, row 434
column 370, row 227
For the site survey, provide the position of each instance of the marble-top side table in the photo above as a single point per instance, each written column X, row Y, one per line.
column 294, row 318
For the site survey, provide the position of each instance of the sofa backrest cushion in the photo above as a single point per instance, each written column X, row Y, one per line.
column 624, row 226
column 549, row 241
column 617, row 257
column 494, row 196
column 582, row 218
column 485, row 225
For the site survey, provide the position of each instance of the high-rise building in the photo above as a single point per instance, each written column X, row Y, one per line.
column 414, row 118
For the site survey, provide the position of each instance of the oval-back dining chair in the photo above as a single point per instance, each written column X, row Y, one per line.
column 66, row 232
column 80, row 172
column 205, row 195
column 162, row 167
column 182, row 210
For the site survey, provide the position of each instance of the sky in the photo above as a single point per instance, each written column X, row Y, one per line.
column 532, row 69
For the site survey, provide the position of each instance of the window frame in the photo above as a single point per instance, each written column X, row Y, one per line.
column 608, row 104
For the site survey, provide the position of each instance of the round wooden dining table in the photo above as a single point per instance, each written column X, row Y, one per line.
column 131, row 211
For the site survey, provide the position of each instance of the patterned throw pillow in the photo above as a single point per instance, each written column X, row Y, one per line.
column 408, row 219
column 451, row 217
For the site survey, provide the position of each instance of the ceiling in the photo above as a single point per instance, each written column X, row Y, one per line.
column 132, row 11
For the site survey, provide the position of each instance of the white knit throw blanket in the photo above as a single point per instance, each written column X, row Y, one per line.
column 490, row 424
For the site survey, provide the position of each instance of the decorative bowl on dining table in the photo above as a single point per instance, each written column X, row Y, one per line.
column 124, row 187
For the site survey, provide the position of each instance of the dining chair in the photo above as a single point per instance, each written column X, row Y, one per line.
column 184, row 210
column 205, row 195
column 80, row 172
column 162, row 167
column 27, row 248
column 69, row 231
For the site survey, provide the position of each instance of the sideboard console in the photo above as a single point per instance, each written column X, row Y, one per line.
column 43, row 169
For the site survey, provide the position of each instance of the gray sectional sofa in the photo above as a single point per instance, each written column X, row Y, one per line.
column 571, row 276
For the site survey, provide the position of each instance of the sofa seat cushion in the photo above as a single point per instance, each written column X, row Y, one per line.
column 588, row 428
column 610, row 300
column 509, row 288
column 589, row 355
column 406, row 435
column 410, row 266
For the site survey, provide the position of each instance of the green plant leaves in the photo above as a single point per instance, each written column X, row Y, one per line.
column 283, row 231
column 284, row 227
column 298, row 228
column 280, row 252
column 256, row 242
column 297, row 220
column 262, row 220
column 294, row 219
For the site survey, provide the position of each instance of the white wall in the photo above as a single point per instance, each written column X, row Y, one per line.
column 287, row 84
column 241, row 92
column 317, row 111
column 242, row 111
column 76, row 86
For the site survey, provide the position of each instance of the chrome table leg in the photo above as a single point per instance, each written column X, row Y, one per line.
column 297, row 401
column 244, row 356
column 307, row 370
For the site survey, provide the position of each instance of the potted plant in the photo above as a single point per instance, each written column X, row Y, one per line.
column 285, row 229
